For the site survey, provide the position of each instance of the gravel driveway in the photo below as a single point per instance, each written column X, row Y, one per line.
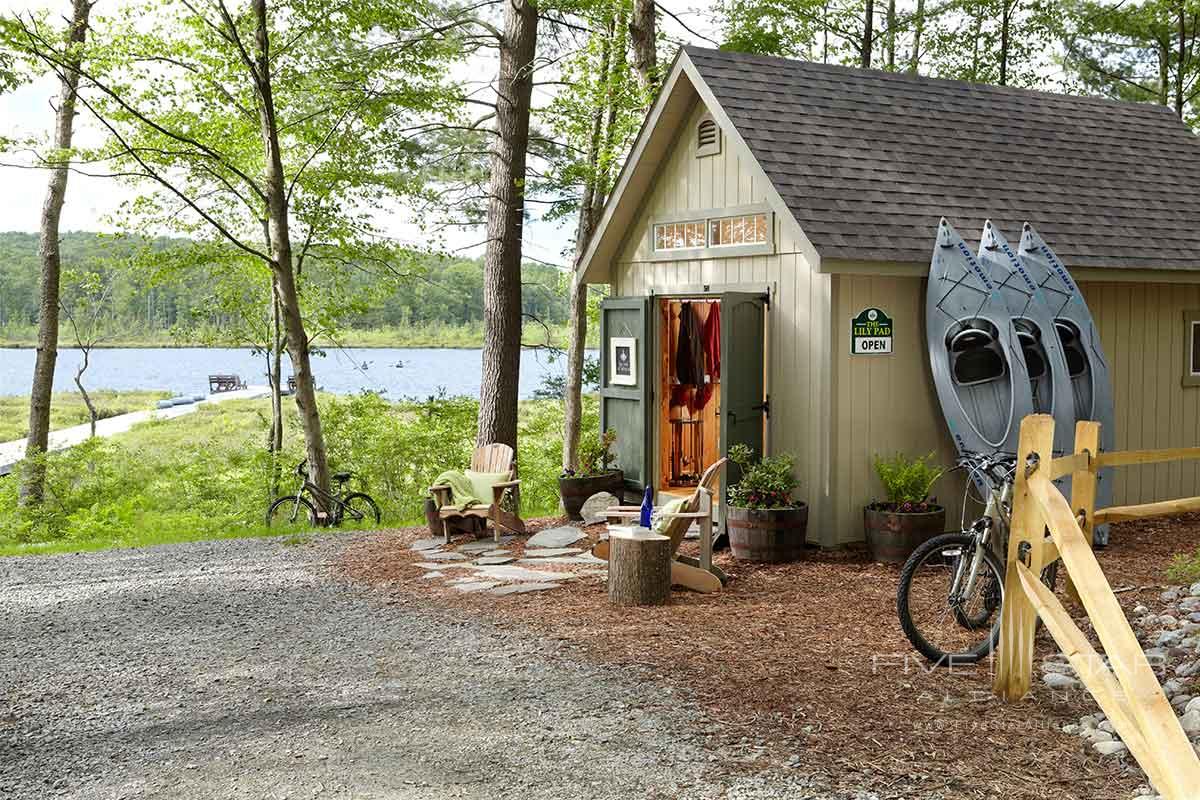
column 244, row 668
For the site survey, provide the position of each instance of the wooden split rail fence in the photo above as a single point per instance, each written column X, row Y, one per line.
column 1126, row 688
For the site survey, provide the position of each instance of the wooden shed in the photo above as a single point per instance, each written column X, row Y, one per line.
column 791, row 197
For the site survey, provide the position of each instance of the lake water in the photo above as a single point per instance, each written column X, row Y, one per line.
column 397, row 372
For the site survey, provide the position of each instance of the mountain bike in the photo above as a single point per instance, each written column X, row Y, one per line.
column 299, row 511
column 952, row 586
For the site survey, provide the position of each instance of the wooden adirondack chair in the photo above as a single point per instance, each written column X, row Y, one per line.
column 698, row 574
column 489, row 458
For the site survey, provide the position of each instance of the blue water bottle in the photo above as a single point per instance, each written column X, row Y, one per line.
column 647, row 507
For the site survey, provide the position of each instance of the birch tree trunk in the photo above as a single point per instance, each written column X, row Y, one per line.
column 643, row 35
column 918, row 30
column 275, row 188
column 891, row 35
column 33, row 486
column 505, row 217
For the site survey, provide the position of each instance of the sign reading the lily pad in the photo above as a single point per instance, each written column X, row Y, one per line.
column 871, row 333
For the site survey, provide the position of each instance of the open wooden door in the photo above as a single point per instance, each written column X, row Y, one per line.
column 626, row 399
column 743, row 348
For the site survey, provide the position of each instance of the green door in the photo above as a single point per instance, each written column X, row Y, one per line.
column 626, row 400
column 743, row 398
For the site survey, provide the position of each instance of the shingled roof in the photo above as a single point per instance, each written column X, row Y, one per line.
column 868, row 161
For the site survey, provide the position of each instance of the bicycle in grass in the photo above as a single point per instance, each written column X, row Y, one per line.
column 952, row 586
column 299, row 511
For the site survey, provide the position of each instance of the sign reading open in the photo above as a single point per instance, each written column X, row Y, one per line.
column 871, row 333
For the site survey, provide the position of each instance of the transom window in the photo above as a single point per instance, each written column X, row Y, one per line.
column 741, row 229
column 679, row 235
column 744, row 229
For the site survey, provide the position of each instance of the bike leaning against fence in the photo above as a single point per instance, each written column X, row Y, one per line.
column 952, row 586
column 300, row 511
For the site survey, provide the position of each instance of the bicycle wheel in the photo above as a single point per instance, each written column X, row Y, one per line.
column 359, row 509
column 945, row 625
column 292, row 513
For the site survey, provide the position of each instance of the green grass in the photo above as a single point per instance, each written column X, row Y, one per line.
column 67, row 409
column 425, row 335
column 206, row 475
column 1184, row 568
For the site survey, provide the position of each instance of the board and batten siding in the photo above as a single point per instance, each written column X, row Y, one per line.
column 799, row 297
column 885, row 404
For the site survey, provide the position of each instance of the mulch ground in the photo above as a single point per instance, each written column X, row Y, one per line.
column 809, row 657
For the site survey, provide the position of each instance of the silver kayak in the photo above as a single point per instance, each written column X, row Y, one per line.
column 1091, row 384
column 1049, row 377
column 974, row 352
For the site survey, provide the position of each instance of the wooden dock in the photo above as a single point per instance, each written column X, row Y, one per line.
column 12, row 452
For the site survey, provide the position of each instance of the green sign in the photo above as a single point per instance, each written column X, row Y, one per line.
column 871, row 333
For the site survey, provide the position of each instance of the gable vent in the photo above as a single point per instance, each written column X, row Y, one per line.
column 708, row 137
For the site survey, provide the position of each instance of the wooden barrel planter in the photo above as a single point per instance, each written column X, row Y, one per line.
column 576, row 491
column 893, row 535
column 771, row 535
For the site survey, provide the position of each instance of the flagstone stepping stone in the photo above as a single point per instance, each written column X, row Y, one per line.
column 440, row 565
column 476, row 586
column 440, row 556
column 522, row 588
column 476, row 547
column 587, row 560
column 552, row 551
column 556, row 537
column 435, row 573
column 499, row 551
column 511, row 573
column 593, row 508
column 489, row 560
column 426, row 544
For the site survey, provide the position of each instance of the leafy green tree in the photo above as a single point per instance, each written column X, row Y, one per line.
column 274, row 126
column 23, row 36
column 1144, row 52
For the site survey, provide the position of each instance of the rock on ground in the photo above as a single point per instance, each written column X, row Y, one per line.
column 246, row 669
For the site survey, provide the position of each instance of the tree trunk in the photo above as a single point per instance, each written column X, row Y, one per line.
column 1164, row 80
column 868, row 38
column 87, row 400
column 506, row 211
column 918, row 29
column 577, row 316
column 639, row 568
column 275, row 186
column 1181, row 61
column 891, row 36
column 1005, row 31
column 33, row 485
column 643, row 37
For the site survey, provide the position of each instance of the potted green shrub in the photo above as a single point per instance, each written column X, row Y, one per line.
column 763, row 520
column 909, row 516
column 594, row 475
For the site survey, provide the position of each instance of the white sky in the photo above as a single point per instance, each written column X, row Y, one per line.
column 27, row 112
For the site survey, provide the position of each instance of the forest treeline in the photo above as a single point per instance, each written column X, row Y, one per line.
column 151, row 300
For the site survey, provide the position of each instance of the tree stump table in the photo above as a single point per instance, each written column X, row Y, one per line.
column 639, row 567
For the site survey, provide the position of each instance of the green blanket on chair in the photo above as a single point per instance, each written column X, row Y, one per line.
column 462, row 491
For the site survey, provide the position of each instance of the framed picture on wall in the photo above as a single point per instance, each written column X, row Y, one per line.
column 623, row 357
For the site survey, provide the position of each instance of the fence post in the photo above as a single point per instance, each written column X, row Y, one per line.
column 1083, row 489
column 1018, row 618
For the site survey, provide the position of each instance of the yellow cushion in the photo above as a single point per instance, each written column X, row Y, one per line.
column 482, row 483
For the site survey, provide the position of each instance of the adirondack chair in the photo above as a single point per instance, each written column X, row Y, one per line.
column 698, row 574
column 489, row 458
